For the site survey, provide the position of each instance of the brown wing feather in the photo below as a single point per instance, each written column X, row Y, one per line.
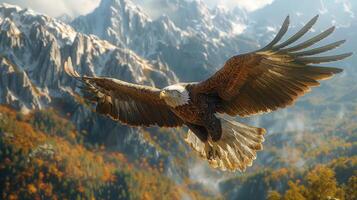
column 132, row 104
column 273, row 77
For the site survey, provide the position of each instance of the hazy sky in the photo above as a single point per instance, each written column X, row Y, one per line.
column 77, row 7
column 57, row 7
column 249, row 5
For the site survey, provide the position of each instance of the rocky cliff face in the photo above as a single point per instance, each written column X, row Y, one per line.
column 17, row 89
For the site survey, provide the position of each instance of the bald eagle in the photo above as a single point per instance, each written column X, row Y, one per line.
column 248, row 84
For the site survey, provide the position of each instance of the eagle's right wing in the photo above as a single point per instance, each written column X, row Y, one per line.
column 273, row 77
column 131, row 104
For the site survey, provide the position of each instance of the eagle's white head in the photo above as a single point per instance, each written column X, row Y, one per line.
column 175, row 95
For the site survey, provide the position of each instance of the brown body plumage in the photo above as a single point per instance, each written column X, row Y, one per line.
column 262, row 81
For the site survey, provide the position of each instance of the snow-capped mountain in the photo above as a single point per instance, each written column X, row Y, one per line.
column 188, row 36
column 37, row 46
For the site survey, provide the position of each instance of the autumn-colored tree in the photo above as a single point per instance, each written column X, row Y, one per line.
column 295, row 192
column 321, row 184
column 351, row 188
column 274, row 195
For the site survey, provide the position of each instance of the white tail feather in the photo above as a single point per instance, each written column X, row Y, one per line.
column 236, row 150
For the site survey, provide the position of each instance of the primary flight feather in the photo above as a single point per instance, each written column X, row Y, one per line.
column 248, row 84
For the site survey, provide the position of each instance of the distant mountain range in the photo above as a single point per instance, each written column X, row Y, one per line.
column 188, row 37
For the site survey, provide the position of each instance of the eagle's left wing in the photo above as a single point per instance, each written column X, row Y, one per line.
column 273, row 77
column 132, row 104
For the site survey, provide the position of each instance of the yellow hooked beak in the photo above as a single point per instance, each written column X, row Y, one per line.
column 162, row 94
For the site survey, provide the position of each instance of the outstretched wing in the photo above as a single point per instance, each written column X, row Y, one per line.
column 132, row 104
column 273, row 77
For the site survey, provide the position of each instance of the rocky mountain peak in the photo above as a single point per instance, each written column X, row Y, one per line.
column 10, row 34
column 8, row 26
column 118, row 18
column 6, row 8
column 16, row 88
